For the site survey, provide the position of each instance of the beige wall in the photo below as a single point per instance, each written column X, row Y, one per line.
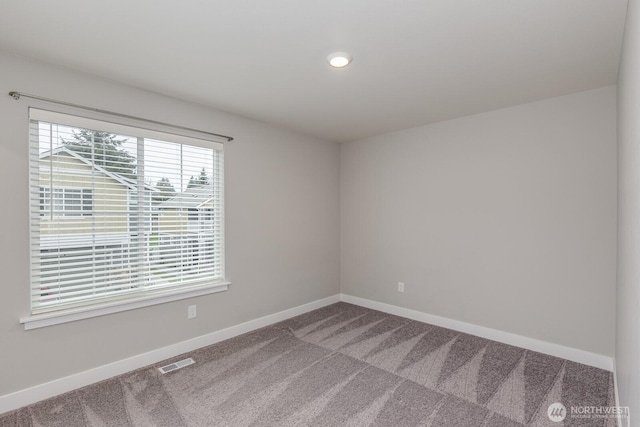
column 172, row 221
column 628, row 297
column 109, row 195
column 282, row 225
column 505, row 219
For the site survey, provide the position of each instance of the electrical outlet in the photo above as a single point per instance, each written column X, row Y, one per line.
column 191, row 312
column 400, row 286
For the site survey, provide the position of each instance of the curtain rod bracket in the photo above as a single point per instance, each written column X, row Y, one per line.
column 14, row 95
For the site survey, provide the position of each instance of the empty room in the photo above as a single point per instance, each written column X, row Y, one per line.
column 338, row 213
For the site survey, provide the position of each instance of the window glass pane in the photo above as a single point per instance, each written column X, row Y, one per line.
column 87, row 202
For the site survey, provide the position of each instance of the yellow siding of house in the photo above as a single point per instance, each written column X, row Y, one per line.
column 110, row 197
column 172, row 221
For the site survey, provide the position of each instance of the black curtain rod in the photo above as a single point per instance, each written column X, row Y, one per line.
column 17, row 95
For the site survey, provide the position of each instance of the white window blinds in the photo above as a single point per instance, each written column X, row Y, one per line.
column 119, row 212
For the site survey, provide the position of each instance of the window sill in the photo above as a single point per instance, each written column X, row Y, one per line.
column 71, row 315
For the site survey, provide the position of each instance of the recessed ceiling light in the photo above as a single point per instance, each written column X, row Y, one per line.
column 339, row 59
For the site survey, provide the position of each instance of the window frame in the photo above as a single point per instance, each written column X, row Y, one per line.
column 139, row 299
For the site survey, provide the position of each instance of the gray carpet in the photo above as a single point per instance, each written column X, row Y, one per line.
column 341, row 365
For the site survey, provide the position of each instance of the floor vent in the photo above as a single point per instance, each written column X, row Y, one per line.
column 177, row 365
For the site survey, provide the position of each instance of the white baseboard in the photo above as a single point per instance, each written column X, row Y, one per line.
column 34, row 394
column 573, row 354
column 621, row 421
column 615, row 385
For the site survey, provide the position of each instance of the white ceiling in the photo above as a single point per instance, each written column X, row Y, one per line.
column 415, row 61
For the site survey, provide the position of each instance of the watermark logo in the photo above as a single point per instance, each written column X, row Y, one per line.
column 557, row 412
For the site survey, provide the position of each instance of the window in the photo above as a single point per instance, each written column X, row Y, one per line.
column 66, row 202
column 115, row 213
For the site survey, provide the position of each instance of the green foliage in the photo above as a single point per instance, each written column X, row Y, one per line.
column 166, row 190
column 103, row 149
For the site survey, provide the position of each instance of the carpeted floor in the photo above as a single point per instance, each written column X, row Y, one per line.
column 341, row 365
